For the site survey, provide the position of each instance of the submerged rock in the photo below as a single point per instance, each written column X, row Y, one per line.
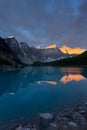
column 24, row 128
column 82, row 112
column 73, row 124
column 86, row 103
column 44, row 120
column 46, row 116
column 19, row 128
column 53, row 125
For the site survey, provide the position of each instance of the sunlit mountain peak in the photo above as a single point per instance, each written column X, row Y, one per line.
column 51, row 46
column 65, row 49
column 38, row 47
column 68, row 50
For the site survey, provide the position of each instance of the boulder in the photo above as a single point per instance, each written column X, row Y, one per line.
column 44, row 121
column 73, row 124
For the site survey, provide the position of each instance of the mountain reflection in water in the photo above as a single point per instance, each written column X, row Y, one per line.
column 72, row 77
column 66, row 79
column 49, row 82
column 40, row 75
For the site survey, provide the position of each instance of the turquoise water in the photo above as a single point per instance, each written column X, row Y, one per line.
column 25, row 93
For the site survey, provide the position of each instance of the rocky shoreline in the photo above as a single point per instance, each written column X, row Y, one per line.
column 68, row 119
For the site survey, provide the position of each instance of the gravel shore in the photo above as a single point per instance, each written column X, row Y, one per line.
column 68, row 119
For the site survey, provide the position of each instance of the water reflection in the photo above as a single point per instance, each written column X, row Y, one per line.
column 72, row 69
column 11, row 81
column 49, row 82
column 72, row 77
column 65, row 79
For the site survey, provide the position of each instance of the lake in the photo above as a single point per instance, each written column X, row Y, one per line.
column 26, row 92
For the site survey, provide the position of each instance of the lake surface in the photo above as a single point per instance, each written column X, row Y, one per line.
column 26, row 92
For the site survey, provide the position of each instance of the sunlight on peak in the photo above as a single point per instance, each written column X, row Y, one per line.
column 68, row 50
column 65, row 49
column 38, row 47
column 51, row 46
column 47, row 47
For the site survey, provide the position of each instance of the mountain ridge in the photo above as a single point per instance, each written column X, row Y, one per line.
column 79, row 60
column 14, row 53
column 65, row 49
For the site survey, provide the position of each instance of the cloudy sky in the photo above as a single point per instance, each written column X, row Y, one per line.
column 45, row 22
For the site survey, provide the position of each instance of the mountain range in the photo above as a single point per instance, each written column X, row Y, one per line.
column 65, row 49
column 18, row 54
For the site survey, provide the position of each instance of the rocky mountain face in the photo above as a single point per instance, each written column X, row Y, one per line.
column 79, row 60
column 27, row 55
column 51, row 54
column 6, row 54
column 12, row 51
column 16, row 53
column 17, row 50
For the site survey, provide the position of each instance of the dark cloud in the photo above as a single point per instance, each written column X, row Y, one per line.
column 45, row 21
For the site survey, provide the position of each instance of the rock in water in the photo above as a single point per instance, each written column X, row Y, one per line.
column 22, row 128
column 73, row 124
column 19, row 128
column 44, row 120
column 46, row 116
